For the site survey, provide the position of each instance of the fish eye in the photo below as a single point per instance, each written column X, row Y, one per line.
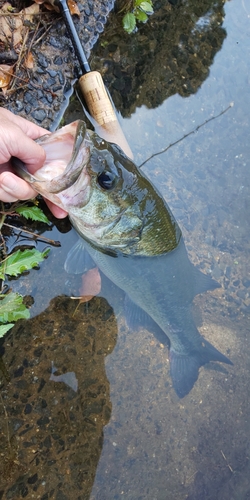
column 106, row 180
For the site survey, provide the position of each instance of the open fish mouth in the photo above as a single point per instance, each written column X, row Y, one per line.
column 63, row 178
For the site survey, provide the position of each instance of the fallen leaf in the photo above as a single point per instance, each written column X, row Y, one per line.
column 91, row 284
column 49, row 4
column 32, row 10
column 5, row 29
column 12, row 27
column 29, row 61
column 73, row 8
column 6, row 74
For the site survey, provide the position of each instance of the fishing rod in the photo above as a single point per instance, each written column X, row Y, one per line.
column 93, row 90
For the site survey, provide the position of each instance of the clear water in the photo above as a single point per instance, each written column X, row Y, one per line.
column 124, row 433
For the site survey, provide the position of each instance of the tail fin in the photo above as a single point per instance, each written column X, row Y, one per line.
column 184, row 369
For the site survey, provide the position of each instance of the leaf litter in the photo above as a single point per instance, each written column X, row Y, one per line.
column 19, row 33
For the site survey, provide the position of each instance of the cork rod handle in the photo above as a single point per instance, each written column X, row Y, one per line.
column 101, row 109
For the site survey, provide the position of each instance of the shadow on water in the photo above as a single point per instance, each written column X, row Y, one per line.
column 52, row 419
column 155, row 446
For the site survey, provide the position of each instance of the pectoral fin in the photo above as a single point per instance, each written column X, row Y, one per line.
column 78, row 260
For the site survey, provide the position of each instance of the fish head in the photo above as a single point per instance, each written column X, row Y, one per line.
column 109, row 201
column 112, row 217
column 86, row 176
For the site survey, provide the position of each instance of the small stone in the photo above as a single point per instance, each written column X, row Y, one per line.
column 246, row 282
column 33, row 479
column 42, row 60
column 99, row 27
column 58, row 60
column 56, row 88
column 55, row 42
column 52, row 73
column 43, row 421
column 49, row 98
column 19, row 372
column 61, row 77
column 27, row 409
column 241, row 294
column 39, row 115
column 19, row 105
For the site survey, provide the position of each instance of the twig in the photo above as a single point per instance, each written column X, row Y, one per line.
column 3, row 215
column 191, row 477
column 43, row 35
column 229, row 466
column 17, row 14
column 37, row 237
column 188, row 134
column 22, row 51
column 35, row 33
column 7, row 423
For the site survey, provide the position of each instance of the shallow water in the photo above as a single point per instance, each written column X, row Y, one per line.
column 124, row 433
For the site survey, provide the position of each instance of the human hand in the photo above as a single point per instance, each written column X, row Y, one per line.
column 16, row 136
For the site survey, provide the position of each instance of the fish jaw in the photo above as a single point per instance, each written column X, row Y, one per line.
column 63, row 178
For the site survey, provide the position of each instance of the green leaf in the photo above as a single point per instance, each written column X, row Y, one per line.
column 4, row 329
column 141, row 16
column 146, row 7
column 12, row 308
column 129, row 22
column 21, row 261
column 33, row 213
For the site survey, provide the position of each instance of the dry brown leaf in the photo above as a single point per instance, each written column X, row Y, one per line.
column 7, row 7
column 6, row 74
column 5, row 30
column 73, row 8
column 12, row 27
column 29, row 61
column 49, row 4
column 91, row 284
column 33, row 10
column 17, row 32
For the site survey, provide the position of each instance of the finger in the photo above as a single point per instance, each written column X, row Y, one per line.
column 29, row 128
column 58, row 212
column 14, row 142
column 13, row 188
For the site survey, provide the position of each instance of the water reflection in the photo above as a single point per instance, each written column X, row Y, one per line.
column 171, row 54
column 51, row 434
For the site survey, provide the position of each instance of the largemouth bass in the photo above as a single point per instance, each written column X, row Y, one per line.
column 132, row 236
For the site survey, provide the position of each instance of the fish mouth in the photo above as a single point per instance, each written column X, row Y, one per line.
column 67, row 153
column 63, row 178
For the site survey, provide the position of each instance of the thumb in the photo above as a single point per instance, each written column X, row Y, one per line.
column 14, row 142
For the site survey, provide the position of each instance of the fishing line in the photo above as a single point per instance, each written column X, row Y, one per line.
column 187, row 135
